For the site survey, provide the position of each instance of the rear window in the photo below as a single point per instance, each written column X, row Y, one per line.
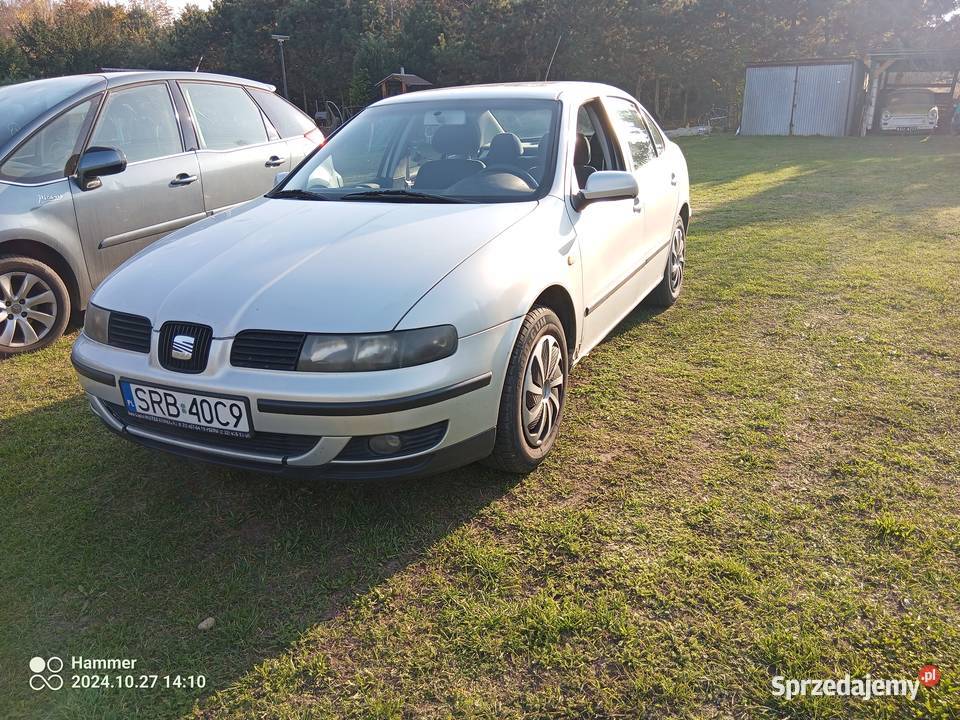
column 286, row 118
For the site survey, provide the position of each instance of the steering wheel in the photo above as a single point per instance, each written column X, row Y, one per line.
column 516, row 172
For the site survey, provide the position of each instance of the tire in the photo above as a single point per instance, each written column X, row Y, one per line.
column 667, row 292
column 519, row 448
column 38, row 322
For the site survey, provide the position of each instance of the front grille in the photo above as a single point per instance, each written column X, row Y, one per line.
column 266, row 350
column 412, row 442
column 262, row 443
column 130, row 332
column 202, row 338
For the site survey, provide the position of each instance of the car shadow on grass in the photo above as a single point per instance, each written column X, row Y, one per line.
column 113, row 550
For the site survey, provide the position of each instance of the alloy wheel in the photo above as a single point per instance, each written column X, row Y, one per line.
column 677, row 259
column 543, row 389
column 28, row 309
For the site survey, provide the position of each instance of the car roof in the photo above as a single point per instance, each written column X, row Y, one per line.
column 566, row 91
column 128, row 77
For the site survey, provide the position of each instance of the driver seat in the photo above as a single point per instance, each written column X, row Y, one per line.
column 458, row 145
column 581, row 160
column 505, row 149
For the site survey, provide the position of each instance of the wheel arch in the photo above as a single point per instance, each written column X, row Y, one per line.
column 557, row 298
column 49, row 256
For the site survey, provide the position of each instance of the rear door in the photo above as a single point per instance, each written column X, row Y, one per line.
column 655, row 178
column 240, row 151
column 159, row 191
column 300, row 132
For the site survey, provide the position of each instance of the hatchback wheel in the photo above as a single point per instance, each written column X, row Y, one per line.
column 534, row 392
column 34, row 305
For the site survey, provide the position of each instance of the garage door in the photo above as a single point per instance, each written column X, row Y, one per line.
column 823, row 92
column 768, row 100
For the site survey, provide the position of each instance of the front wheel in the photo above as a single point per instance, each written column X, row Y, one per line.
column 667, row 292
column 534, row 392
column 34, row 305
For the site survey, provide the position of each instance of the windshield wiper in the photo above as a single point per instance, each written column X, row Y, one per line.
column 410, row 195
column 297, row 195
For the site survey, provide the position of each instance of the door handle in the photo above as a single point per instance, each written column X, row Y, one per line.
column 275, row 161
column 183, row 179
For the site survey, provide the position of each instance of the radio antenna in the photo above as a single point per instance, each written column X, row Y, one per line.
column 550, row 65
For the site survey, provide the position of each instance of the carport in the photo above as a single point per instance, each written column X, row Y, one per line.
column 935, row 69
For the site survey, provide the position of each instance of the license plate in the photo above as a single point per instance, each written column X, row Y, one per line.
column 207, row 413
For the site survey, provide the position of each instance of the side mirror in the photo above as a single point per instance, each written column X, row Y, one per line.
column 606, row 185
column 279, row 178
column 97, row 162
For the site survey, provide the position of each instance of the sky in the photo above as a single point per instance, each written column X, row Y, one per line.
column 178, row 5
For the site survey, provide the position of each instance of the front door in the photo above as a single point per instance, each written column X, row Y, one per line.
column 611, row 232
column 240, row 151
column 160, row 191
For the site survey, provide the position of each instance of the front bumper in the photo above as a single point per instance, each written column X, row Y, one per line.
column 461, row 394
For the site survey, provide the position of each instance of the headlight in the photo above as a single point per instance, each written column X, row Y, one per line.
column 934, row 114
column 886, row 115
column 381, row 351
column 95, row 323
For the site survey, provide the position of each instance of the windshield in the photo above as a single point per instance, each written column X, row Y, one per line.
column 494, row 150
column 919, row 101
column 24, row 102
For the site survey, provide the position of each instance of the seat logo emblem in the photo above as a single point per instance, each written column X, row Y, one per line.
column 182, row 347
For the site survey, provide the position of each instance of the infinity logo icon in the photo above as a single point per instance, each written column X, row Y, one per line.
column 52, row 665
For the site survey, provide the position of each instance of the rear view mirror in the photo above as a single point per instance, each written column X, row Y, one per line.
column 97, row 162
column 279, row 178
column 606, row 185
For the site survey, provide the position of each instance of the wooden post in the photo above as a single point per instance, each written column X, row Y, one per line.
column 876, row 73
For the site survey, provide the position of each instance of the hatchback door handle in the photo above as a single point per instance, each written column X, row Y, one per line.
column 184, row 179
column 673, row 178
column 275, row 161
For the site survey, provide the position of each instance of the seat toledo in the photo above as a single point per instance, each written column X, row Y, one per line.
column 410, row 299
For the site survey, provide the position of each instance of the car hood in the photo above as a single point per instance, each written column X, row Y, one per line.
column 282, row 264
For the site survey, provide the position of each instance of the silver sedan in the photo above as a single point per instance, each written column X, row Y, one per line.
column 410, row 299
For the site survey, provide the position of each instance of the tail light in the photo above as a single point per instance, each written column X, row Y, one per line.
column 315, row 136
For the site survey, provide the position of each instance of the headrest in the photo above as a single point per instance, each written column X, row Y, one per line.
column 505, row 148
column 457, row 140
column 581, row 151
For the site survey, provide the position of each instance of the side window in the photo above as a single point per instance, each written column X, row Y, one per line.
column 634, row 130
column 141, row 122
column 288, row 120
column 226, row 117
column 654, row 131
column 593, row 150
column 46, row 155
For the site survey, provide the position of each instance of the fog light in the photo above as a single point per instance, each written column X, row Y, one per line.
column 385, row 444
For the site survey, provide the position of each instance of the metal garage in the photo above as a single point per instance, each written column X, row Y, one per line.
column 803, row 97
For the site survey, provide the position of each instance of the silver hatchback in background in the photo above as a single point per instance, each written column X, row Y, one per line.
column 93, row 168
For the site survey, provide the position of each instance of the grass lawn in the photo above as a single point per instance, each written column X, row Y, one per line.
column 760, row 481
